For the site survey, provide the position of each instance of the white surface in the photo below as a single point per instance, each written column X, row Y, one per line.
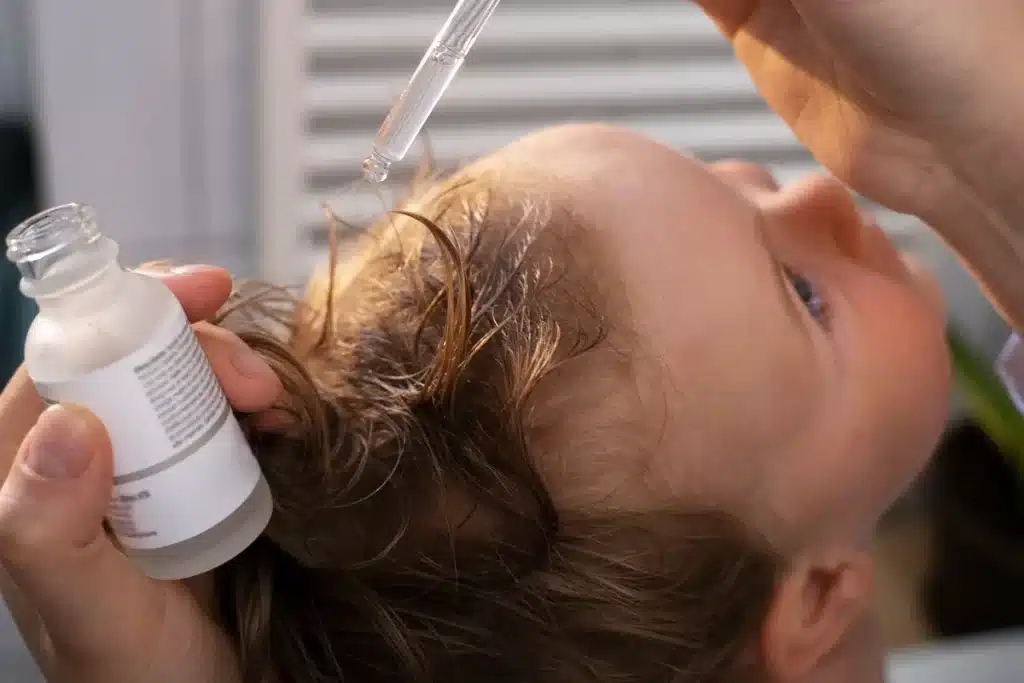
column 993, row 659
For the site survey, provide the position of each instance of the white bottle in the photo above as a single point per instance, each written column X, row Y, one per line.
column 188, row 494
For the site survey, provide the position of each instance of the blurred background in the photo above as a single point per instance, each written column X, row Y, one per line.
column 214, row 130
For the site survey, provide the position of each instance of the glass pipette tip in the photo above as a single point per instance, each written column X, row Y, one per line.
column 431, row 79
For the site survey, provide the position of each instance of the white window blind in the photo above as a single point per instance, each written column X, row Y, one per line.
column 332, row 68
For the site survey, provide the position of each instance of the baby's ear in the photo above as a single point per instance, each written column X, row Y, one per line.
column 818, row 613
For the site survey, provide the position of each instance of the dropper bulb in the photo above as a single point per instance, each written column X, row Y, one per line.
column 376, row 168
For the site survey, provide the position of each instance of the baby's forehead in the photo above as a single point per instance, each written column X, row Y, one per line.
column 623, row 184
column 589, row 160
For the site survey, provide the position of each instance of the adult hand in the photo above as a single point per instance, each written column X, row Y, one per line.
column 85, row 611
column 881, row 91
column 916, row 105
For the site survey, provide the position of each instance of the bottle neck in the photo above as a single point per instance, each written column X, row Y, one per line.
column 85, row 279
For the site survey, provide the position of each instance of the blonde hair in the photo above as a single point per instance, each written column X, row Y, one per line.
column 414, row 539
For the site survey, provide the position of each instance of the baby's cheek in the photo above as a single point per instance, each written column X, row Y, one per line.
column 906, row 391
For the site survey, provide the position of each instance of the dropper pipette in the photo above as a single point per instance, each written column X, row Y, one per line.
column 432, row 77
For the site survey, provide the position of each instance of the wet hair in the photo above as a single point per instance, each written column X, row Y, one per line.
column 415, row 538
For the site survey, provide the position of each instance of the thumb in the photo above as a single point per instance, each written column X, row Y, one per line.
column 89, row 597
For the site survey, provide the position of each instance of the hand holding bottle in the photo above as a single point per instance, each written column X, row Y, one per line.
column 87, row 613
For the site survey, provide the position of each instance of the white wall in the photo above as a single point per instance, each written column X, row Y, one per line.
column 146, row 112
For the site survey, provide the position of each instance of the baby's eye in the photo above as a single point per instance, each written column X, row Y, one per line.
column 805, row 290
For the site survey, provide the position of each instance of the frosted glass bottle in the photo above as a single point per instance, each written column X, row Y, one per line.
column 188, row 494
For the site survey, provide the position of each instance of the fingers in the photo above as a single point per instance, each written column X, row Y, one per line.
column 53, row 547
column 202, row 290
column 248, row 382
column 20, row 407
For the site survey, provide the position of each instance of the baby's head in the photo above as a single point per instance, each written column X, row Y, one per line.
column 590, row 411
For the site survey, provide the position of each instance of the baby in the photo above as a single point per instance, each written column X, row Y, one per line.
column 588, row 410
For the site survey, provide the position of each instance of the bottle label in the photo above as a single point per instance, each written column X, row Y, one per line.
column 181, row 462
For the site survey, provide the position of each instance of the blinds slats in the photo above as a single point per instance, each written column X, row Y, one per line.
column 705, row 136
column 568, row 25
column 581, row 87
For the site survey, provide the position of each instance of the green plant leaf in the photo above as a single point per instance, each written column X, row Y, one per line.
column 988, row 402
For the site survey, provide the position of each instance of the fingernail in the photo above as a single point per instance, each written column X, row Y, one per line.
column 154, row 268
column 165, row 268
column 249, row 363
column 58, row 445
column 193, row 268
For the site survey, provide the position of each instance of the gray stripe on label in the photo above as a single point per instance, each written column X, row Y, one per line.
column 177, row 457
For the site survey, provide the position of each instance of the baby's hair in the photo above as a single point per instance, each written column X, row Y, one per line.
column 414, row 538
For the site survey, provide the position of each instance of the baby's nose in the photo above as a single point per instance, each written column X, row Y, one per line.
column 820, row 207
